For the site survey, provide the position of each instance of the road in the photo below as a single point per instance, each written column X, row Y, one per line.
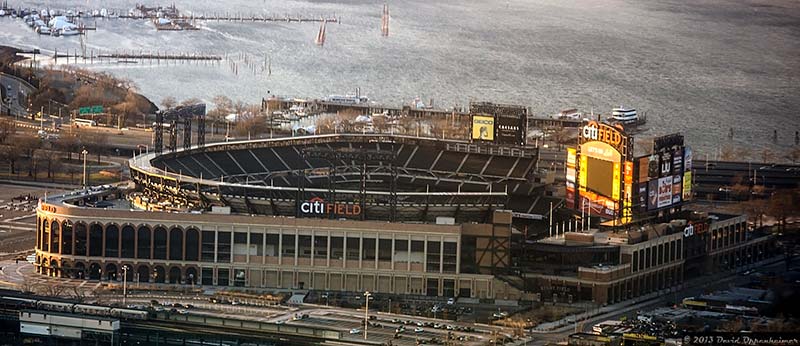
column 17, row 92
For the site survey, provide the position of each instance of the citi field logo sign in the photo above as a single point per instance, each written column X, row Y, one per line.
column 319, row 206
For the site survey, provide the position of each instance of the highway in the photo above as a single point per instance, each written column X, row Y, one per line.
column 16, row 92
column 717, row 177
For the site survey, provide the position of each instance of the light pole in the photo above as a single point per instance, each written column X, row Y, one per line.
column 366, row 313
column 124, row 283
column 84, row 152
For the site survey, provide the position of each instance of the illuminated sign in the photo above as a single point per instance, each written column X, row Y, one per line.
column 687, row 159
column 483, row 127
column 688, row 231
column 687, row 185
column 664, row 192
column 318, row 206
column 676, row 189
column 571, row 159
column 594, row 131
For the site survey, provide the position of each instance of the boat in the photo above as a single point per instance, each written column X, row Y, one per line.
column 69, row 31
column 43, row 30
column 624, row 115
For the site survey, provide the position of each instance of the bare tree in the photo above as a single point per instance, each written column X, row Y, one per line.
column 728, row 153
column 51, row 160
column 29, row 145
column 11, row 155
column 54, row 290
column 767, row 156
column 168, row 102
column 190, row 101
column 7, row 129
column 794, row 155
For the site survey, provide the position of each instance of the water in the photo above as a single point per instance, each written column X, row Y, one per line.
column 697, row 67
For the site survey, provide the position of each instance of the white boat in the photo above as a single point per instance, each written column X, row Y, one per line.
column 43, row 30
column 69, row 31
column 624, row 115
column 347, row 99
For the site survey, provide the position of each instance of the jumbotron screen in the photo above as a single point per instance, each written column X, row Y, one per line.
column 600, row 176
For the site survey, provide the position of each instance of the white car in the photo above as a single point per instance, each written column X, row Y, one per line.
column 451, row 301
column 355, row 331
column 418, row 330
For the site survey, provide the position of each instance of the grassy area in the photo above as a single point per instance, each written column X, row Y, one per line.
column 95, row 178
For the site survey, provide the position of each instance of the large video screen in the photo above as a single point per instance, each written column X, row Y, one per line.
column 600, row 176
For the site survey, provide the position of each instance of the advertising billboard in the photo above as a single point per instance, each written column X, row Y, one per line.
column 665, row 160
column 664, row 192
column 598, row 205
column 687, row 185
column 571, row 159
column 677, row 189
column 509, row 130
column 643, row 163
column 643, row 196
column 652, row 194
column 677, row 161
column 687, row 159
column 483, row 127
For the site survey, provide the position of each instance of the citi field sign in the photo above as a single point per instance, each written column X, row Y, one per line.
column 595, row 131
column 318, row 206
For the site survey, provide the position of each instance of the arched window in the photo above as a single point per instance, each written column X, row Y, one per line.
column 159, row 274
column 143, row 244
column 80, row 239
column 176, row 244
column 128, row 242
column 112, row 241
column 95, row 240
column 192, row 244
column 66, row 237
column 45, row 245
column 160, row 244
column 175, row 275
column 55, row 237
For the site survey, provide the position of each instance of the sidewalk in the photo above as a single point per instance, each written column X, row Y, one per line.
column 568, row 322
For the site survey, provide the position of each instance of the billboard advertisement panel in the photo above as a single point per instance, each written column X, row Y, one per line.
column 652, row 194
column 664, row 192
column 483, row 127
column 642, row 196
column 677, row 189
column 677, row 161
column 687, row 159
column 571, row 157
column 643, row 163
column 598, row 205
column 653, row 169
column 687, row 185
column 509, row 129
column 665, row 160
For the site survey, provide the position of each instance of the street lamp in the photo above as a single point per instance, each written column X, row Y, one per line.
column 124, row 283
column 84, row 152
column 366, row 313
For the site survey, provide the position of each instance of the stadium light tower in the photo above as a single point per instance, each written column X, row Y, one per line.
column 367, row 294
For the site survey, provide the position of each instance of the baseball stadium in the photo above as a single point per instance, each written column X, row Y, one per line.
column 352, row 212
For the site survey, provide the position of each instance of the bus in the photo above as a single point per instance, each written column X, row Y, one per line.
column 84, row 122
